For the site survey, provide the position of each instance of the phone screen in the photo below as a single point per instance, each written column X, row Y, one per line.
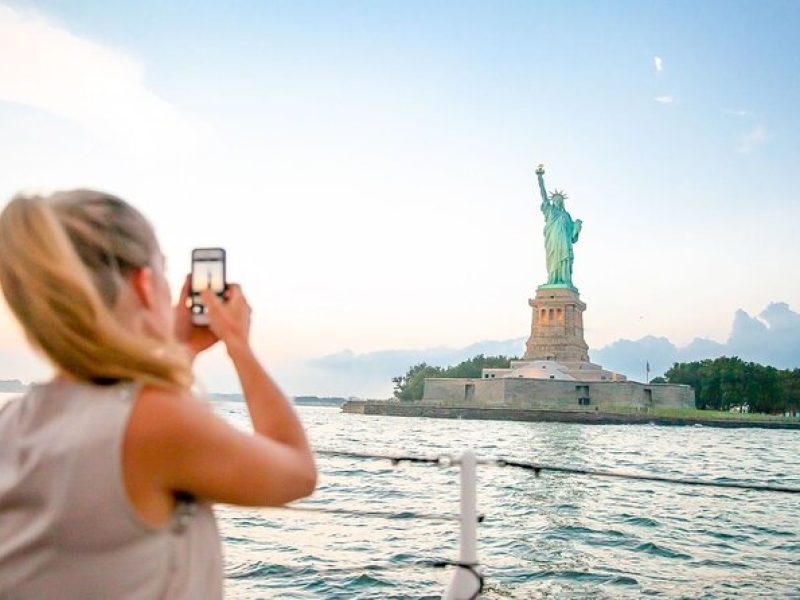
column 208, row 273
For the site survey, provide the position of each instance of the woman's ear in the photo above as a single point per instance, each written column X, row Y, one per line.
column 141, row 281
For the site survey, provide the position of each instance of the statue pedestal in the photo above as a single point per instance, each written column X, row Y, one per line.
column 557, row 326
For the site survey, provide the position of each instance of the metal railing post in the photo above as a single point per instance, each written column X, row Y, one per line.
column 464, row 584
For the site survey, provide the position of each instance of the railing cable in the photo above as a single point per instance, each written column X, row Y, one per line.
column 537, row 468
column 442, row 460
column 446, row 460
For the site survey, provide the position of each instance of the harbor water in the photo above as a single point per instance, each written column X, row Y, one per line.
column 553, row 536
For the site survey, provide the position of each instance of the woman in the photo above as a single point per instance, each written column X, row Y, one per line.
column 108, row 472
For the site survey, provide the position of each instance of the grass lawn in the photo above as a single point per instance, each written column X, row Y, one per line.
column 694, row 413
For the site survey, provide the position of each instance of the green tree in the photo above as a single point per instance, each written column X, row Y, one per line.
column 727, row 382
column 689, row 374
column 411, row 385
column 790, row 383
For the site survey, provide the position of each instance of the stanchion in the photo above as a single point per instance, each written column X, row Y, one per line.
column 465, row 583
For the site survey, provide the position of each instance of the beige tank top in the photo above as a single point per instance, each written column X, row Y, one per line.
column 67, row 528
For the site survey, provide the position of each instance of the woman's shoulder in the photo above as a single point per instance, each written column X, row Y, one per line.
column 162, row 415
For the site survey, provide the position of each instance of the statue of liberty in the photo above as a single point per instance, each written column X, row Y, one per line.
column 560, row 233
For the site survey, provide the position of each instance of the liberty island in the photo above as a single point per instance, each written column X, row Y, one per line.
column 555, row 380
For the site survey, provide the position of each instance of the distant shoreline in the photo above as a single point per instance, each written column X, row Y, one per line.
column 436, row 411
column 298, row 400
column 15, row 386
column 12, row 386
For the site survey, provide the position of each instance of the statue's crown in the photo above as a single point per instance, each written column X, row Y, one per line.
column 558, row 194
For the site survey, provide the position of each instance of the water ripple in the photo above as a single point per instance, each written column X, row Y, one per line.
column 557, row 536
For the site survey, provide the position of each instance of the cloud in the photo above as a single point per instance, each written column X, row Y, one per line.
column 666, row 99
column 44, row 66
column 370, row 374
column 771, row 338
column 658, row 64
column 738, row 112
column 752, row 140
column 630, row 356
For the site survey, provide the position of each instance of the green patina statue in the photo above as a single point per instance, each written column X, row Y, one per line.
column 560, row 233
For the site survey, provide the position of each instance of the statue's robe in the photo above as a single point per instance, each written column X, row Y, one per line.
column 559, row 235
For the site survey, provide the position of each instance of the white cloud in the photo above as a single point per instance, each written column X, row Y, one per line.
column 666, row 99
column 658, row 64
column 44, row 66
column 370, row 374
column 739, row 112
column 752, row 140
column 771, row 338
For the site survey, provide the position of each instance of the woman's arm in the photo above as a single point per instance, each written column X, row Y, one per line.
column 271, row 412
column 174, row 442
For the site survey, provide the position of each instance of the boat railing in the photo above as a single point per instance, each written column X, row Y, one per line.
column 467, row 582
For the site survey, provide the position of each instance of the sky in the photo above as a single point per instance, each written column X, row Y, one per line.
column 368, row 166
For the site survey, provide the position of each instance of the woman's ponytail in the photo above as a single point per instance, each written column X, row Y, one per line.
column 63, row 260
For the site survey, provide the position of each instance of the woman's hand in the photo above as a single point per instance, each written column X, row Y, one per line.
column 229, row 320
column 195, row 338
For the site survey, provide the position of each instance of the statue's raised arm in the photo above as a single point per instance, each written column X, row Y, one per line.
column 542, row 190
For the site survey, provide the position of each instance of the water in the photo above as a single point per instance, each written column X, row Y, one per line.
column 552, row 537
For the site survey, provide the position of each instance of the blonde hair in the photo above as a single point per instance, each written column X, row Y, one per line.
column 63, row 262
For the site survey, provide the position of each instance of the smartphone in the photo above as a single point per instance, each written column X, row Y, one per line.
column 208, row 273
